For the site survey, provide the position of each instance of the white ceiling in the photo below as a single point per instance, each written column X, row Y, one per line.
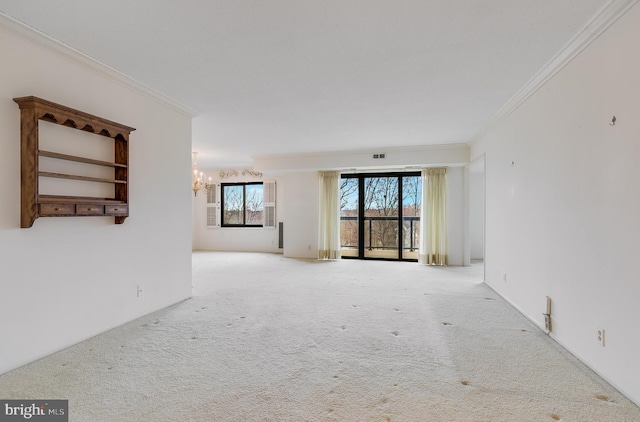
column 300, row 76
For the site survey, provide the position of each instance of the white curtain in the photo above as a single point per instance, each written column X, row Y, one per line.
column 329, row 224
column 433, row 218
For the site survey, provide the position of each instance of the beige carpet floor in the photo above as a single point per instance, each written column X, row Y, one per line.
column 267, row 338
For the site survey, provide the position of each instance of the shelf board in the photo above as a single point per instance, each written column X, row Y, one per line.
column 59, row 199
column 76, row 177
column 57, row 155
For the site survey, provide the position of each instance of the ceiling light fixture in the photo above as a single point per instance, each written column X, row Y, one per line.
column 198, row 179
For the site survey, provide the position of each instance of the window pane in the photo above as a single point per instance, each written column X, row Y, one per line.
column 381, row 216
column 349, row 215
column 411, row 208
column 411, row 196
column 233, row 204
column 255, row 204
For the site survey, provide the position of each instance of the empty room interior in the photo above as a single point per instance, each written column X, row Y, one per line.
column 321, row 210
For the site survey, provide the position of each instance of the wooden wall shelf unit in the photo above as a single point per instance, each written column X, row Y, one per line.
column 34, row 205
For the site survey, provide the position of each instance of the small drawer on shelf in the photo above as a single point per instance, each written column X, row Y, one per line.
column 57, row 209
column 116, row 210
column 84, row 209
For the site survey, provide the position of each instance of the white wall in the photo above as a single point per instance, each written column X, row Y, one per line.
column 562, row 220
column 297, row 186
column 244, row 239
column 297, row 208
column 67, row 279
column 395, row 157
column 301, row 214
column 455, row 215
column 476, row 214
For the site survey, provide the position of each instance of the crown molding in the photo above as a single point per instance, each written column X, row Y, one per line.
column 591, row 32
column 66, row 52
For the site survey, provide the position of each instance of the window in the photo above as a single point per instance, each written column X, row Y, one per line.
column 242, row 204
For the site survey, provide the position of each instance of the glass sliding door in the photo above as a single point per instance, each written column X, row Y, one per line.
column 349, row 226
column 381, row 212
column 411, row 208
column 380, row 215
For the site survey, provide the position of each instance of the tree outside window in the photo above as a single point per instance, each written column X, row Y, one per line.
column 242, row 204
column 390, row 207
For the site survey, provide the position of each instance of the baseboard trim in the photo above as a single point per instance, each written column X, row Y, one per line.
column 102, row 331
column 561, row 344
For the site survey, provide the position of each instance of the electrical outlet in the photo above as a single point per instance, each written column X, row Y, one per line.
column 139, row 292
column 504, row 277
column 600, row 336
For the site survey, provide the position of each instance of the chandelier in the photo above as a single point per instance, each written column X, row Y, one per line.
column 198, row 182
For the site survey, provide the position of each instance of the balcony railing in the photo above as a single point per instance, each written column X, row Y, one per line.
column 410, row 228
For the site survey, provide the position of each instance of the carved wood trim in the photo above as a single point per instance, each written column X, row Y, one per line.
column 65, row 116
